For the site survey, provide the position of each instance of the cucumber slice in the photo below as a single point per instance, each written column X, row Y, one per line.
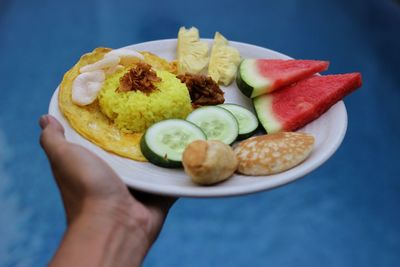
column 217, row 123
column 248, row 122
column 164, row 142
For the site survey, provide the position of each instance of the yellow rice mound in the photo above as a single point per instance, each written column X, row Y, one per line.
column 135, row 111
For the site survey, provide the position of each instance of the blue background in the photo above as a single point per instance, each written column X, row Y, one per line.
column 346, row 213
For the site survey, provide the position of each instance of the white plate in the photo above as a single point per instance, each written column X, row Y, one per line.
column 329, row 131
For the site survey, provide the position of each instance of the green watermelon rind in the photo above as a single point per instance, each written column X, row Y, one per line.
column 249, row 81
column 263, row 107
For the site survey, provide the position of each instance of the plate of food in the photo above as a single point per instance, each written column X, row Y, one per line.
column 193, row 117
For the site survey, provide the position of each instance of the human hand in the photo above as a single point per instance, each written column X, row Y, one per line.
column 100, row 209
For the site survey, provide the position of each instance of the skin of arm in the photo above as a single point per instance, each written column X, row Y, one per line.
column 107, row 223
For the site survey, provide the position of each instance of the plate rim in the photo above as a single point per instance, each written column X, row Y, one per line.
column 213, row 191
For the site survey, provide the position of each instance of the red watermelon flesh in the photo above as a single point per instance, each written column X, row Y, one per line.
column 261, row 76
column 285, row 72
column 292, row 107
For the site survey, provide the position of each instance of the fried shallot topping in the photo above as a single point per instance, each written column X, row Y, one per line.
column 202, row 89
column 139, row 78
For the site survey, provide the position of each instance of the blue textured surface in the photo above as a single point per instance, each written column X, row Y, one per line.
column 344, row 214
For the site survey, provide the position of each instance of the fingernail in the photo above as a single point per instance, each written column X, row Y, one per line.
column 44, row 121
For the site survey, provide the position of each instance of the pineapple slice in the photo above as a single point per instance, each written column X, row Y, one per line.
column 224, row 61
column 191, row 52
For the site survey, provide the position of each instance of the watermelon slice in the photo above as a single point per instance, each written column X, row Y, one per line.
column 294, row 106
column 260, row 76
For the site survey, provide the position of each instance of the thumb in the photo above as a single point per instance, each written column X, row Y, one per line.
column 52, row 135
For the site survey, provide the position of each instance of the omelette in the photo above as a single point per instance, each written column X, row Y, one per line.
column 90, row 120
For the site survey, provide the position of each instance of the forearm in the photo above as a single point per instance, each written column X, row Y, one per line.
column 107, row 225
column 91, row 241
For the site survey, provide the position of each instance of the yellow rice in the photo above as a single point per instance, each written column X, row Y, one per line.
column 135, row 111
